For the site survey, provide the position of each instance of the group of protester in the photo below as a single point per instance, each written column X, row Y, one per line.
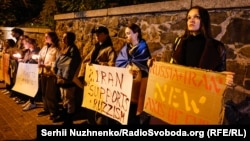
column 58, row 64
column 23, row 46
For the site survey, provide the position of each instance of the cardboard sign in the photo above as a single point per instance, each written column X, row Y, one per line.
column 27, row 79
column 184, row 95
column 6, row 65
column 108, row 91
column 1, row 67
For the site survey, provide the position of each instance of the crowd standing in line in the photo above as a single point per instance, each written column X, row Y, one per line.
column 58, row 65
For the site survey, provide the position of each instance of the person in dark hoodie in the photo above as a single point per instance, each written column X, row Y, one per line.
column 65, row 68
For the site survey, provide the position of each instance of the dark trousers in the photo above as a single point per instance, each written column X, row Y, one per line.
column 133, row 119
column 95, row 118
column 50, row 94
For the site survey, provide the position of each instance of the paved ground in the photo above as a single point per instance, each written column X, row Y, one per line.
column 16, row 124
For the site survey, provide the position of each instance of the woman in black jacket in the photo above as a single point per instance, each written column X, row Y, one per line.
column 197, row 48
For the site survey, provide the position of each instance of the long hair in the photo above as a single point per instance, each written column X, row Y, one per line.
column 31, row 41
column 205, row 25
column 135, row 28
column 54, row 38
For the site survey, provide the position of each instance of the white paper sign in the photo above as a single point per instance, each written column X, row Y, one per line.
column 27, row 79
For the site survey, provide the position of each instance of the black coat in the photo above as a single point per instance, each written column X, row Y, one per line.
column 213, row 56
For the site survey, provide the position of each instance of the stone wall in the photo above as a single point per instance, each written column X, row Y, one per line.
column 162, row 22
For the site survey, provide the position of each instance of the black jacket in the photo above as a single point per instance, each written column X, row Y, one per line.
column 213, row 56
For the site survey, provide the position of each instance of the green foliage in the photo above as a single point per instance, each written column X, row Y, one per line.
column 16, row 12
column 66, row 6
column 6, row 15
column 26, row 12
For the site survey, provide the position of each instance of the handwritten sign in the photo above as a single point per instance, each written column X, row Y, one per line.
column 108, row 91
column 184, row 95
column 27, row 79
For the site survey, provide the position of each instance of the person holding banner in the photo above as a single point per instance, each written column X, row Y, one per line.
column 31, row 57
column 50, row 91
column 19, row 50
column 65, row 69
column 134, row 56
column 8, row 49
column 14, row 54
column 103, row 53
column 18, row 54
column 197, row 48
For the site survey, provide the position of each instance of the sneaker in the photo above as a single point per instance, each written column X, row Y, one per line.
column 3, row 91
column 15, row 98
column 29, row 107
column 6, row 92
column 11, row 95
column 57, row 118
column 20, row 101
column 25, row 104
column 43, row 113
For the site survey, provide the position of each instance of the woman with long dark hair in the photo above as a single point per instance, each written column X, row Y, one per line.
column 197, row 48
column 134, row 56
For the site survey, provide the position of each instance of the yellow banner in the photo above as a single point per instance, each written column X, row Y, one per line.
column 184, row 95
